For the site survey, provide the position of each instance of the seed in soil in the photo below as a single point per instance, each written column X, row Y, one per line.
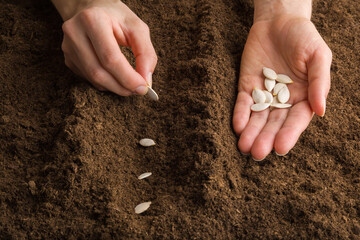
column 278, row 87
column 258, row 107
column 269, row 73
column 269, row 84
column 142, row 207
column 258, row 95
column 152, row 94
column 284, row 95
column 147, row 142
column 144, row 175
column 282, row 78
column 32, row 187
column 269, row 97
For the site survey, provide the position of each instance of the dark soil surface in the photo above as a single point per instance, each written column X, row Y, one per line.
column 69, row 154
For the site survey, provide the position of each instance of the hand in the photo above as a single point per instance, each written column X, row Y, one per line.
column 292, row 46
column 92, row 35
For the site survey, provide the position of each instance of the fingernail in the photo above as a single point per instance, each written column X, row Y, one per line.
column 257, row 160
column 149, row 79
column 280, row 155
column 142, row 90
column 324, row 108
column 245, row 154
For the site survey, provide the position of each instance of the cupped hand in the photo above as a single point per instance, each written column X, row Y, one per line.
column 292, row 46
column 91, row 47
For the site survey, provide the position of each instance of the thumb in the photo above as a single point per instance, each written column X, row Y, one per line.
column 319, row 79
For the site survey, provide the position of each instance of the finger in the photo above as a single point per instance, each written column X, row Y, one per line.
column 252, row 130
column 264, row 143
column 242, row 111
column 298, row 119
column 77, row 71
column 319, row 79
column 86, row 61
column 143, row 49
column 69, row 63
column 101, row 34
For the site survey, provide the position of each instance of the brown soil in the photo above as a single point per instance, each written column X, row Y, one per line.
column 70, row 158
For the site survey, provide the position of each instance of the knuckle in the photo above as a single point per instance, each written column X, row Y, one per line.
column 67, row 26
column 145, row 27
column 69, row 30
column 91, row 15
column 109, row 59
column 87, row 15
column 140, row 25
column 154, row 57
column 64, row 47
column 97, row 76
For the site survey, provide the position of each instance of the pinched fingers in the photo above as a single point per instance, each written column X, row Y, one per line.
column 99, row 29
column 80, row 53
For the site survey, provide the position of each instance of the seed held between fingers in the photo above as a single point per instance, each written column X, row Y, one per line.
column 152, row 94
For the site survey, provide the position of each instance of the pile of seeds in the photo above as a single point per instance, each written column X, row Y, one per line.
column 276, row 94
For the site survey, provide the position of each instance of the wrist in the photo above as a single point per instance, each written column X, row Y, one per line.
column 271, row 9
column 66, row 8
column 69, row 8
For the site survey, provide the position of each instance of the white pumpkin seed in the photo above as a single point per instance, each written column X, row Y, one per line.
column 281, row 105
column 274, row 101
column 278, row 87
column 258, row 107
column 142, row 207
column 144, row 175
column 269, row 73
column 269, row 84
column 282, row 78
column 284, row 95
column 258, row 95
column 147, row 142
column 269, row 97
column 152, row 94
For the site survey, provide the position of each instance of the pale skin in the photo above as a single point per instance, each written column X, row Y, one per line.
column 282, row 38
column 93, row 31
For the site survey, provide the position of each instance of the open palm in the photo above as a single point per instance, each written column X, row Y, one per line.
column 294, row 47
